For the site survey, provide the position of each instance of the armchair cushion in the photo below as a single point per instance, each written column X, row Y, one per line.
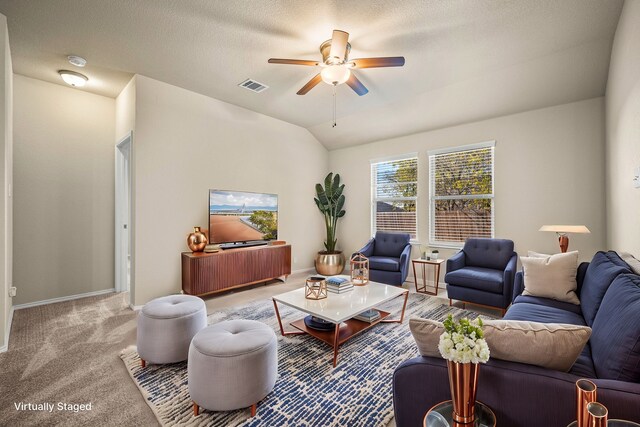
column 390, row 244
column 484, row 279
column 488, row 253
column 385, row 263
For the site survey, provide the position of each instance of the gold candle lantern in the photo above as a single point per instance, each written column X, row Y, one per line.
column 359, row 270
column 315, row 288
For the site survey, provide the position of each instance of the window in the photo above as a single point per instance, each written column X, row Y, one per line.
column 394, row 194
column 461, row 194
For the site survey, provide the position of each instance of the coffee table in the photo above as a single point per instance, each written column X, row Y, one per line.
column 340, row 309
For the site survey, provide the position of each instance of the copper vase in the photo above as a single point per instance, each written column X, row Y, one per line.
column 598, row 415
column 585, row 394
column 197, row 240
column 463, row 381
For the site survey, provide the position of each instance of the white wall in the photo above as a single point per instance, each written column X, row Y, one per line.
column 186, row 143
column 548, row 170
column 6, row 178
column 623, row 133
column 64, row 191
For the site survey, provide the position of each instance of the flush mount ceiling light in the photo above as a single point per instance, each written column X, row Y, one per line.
column 72, row 78
column 76, row 60
column 335, row 74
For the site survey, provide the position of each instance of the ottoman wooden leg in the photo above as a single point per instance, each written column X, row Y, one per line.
column 196, row 409
column 253, row 409
column 143, row 363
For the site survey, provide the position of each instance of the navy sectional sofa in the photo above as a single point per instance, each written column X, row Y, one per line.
column 530, row 396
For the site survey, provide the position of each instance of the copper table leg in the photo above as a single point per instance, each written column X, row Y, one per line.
column 336, row 344
column 404, row 306
column 284, row 334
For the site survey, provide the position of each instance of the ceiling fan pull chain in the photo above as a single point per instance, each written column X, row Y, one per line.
column 334, row 106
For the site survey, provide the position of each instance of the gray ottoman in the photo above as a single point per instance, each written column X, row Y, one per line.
column 232, row 365
column 166, row 326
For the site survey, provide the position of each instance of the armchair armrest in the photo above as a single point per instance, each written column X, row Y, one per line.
column 456, row 262
column 405, row 257
column 367, row 250
column 509, row 273
column 518, row 285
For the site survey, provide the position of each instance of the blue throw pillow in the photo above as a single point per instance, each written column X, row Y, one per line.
column 604, row 267
column 615, row 339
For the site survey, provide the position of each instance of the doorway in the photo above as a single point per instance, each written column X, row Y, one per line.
column 123, row 216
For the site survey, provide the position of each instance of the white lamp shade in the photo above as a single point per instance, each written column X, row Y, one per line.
column 335, row 74
column 580, row 229
column 72, row 78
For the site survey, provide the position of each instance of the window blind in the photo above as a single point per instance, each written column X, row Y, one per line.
column 461, row 195
column 394, row 195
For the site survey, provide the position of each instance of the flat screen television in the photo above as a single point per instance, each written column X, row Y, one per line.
column 242, row 217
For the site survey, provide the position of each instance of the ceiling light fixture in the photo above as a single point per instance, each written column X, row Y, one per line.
column 335, row 74
column 76, row 60
column 72, row 78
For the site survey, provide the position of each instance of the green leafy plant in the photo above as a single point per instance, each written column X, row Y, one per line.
column 330, row 201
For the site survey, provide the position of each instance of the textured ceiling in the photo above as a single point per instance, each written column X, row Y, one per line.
column 465, row 59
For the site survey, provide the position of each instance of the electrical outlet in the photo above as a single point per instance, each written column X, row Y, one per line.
column 13, row 291
column 636, row 177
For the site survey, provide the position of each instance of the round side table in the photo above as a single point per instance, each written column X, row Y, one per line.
column 441, row 415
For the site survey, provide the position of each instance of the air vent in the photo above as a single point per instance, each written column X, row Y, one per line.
column 253, row 86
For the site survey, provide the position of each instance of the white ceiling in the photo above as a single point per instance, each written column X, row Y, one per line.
column 465, row 59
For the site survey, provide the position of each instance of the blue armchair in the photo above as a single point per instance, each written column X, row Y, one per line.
column 482, row 273
column 389, row 255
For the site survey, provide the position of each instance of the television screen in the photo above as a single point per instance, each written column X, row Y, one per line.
column 238, row 216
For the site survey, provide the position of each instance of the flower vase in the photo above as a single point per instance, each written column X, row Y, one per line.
column 463, row 381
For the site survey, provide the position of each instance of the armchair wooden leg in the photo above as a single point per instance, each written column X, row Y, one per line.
column 503, row 311
column 450, row 302
column 253, row 410
column 143, row 363
column 196, row 409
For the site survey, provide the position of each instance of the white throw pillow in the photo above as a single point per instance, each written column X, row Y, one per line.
column 551, row 276
column 549, row 345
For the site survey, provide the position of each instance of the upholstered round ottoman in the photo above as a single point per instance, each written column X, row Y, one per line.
column 166, row 326
column 232, row 365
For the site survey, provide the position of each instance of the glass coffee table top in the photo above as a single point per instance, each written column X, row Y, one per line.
column 441, row 415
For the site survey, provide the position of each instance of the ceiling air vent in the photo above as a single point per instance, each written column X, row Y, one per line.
column 253, row 86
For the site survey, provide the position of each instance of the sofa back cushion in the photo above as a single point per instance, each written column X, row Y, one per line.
column 488, row 253
column 615, row 340
column 390, row 244
column 604, row 267
column 551, row 276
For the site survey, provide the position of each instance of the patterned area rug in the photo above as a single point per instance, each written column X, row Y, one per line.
column 309, row 391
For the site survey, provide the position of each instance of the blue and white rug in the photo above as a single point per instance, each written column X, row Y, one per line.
column 309, row 391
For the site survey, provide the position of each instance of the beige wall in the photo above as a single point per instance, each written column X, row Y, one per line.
column 6, row 177
column 185, row 144
column 548, row 170
column 623, row 133
column 64, row 191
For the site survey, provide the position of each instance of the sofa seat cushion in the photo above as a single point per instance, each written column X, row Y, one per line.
column 484, row 279
column 604, row 267
column 584, row 364
column 548, row 302
column 385, row 263
column 542, row 314
column 615, row 343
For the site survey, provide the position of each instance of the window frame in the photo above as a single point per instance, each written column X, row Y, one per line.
column 432, row 198
column 374, row 186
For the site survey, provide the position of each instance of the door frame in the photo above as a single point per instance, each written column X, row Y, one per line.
column 123, row 198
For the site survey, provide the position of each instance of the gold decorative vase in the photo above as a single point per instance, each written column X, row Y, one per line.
column 329, row 264
column 586, row 393
column 197, row 240
column 463, row 381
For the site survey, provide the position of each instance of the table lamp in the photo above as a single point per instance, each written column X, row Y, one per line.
column 562, row 231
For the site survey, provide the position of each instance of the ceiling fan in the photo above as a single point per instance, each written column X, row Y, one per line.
column 336, row 66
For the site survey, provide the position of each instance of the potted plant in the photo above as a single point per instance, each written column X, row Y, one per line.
column 330, row 202
column 434, row 254
column 463, row 345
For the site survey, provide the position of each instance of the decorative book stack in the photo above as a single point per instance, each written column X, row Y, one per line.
column 368, row 316
column 339, row 285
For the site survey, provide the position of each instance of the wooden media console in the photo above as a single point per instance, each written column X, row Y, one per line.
column 208, row 273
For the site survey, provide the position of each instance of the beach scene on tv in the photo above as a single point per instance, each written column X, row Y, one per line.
column 236, row 216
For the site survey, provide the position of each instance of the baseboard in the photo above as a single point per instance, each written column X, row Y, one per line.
column 135, row 307
column 62, row 299
column 7, row 333
column 303, row 270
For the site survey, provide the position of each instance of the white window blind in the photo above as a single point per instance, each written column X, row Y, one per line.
column 394, row 195
column 461, row 194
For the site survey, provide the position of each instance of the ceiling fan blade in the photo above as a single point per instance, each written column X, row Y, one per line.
column 357, row 85
column 391, row 61
column 293, row 61
column 310, row 84
column 339, row 41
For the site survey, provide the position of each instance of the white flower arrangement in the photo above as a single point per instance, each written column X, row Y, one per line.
column 463, row 341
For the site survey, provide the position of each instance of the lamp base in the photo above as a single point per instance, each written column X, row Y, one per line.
column 563, row 239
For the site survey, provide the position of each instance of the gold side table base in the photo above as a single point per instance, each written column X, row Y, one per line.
column 441, row 415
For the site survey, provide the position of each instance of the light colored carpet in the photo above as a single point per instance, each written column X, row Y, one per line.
column 309, row 391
